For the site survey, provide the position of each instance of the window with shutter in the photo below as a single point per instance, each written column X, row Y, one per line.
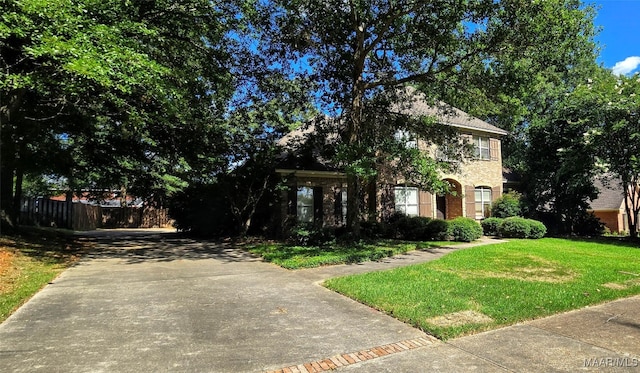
column 482, row 150
column 483, row 202
column 406, row 200
column 304, row 204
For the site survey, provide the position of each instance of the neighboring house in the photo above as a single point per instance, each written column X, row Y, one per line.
column 317, row 189
column 609, row 206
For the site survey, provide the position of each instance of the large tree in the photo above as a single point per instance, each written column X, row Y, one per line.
column 128, row 95
column 358, row 49
column 611, row 105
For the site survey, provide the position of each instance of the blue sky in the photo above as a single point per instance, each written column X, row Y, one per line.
column 619, row 37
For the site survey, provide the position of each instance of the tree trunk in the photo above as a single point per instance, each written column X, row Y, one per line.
column 69, row 203
column 17, row 197
column 353, row 182
column 632, row 211
column 6, row 187
column 354, row 124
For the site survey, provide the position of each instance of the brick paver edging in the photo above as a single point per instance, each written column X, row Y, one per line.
column 355, row 357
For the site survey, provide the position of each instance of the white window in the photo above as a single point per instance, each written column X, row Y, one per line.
column 483, row 202
column 305, row 204
column 343, row 201
column 482, row 147
column 406, row 200
column 406, row 138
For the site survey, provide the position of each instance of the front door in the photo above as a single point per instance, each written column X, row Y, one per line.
column 441, row 206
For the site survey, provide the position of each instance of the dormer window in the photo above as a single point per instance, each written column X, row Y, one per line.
column 407, row 138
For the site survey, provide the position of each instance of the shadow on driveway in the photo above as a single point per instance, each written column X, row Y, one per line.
column 135, row 246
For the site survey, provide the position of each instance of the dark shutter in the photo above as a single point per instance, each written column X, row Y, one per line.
column 318, row 213
column 292, row 201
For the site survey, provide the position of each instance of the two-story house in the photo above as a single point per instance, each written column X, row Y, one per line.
column 317, row 189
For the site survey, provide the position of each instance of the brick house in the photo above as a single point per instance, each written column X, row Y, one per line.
column 609, row 206
column 316, row 189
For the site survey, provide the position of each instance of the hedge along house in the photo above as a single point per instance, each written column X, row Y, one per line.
column 316, row 188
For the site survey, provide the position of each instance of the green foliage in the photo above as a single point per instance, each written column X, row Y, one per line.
column 610, row 106
column 238, row 203
column 464, row 229
column 294, row 257
column 376, row 229
column 537, row 229
column 363, row 54
column 515, row 227
column 412, row 228
column 589, row 225
column 509, row 282
column 97, row 86
column 416, row 228
column 491, row 225
column 305, row 234
column 506, row 205
column 202, row 210
column 437, row 230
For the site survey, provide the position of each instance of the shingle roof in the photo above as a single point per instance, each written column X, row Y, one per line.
column 415, row 104
column 610, row 196
column 445, row 113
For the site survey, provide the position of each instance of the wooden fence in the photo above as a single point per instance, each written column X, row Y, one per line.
column 134, row 217
column 82, row 217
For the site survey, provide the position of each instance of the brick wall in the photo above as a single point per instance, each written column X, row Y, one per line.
column 611, row 219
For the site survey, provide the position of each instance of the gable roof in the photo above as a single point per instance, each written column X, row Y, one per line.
column 418, row 106
column 415, row 105
column 609, row 196
column 445, row 113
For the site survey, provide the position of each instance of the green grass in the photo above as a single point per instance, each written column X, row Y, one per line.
column 29, row 259
column 510, row 282
column 295, row 257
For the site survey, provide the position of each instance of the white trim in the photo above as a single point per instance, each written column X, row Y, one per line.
column 311, row 173
column 482, row 130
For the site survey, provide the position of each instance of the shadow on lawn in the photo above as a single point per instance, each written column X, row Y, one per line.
column 45, row 245
column 617, row 241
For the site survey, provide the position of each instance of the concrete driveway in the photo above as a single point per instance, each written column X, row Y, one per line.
column 146, row 302
column 149, row 301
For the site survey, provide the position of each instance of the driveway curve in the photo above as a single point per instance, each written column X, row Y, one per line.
column 148, row 300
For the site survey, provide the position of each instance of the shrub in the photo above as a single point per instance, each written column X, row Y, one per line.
column 464, row 229
column 412, row 228
column 373, row 229
column 588, row 225
column 507, row 205
column 305, row 234
column 538, row 230
column 515, row 227
column 437, row 230
column 490, row 226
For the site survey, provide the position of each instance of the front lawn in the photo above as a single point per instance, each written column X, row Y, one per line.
column 29, row 260
column 294, row 257
column 486, row 287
